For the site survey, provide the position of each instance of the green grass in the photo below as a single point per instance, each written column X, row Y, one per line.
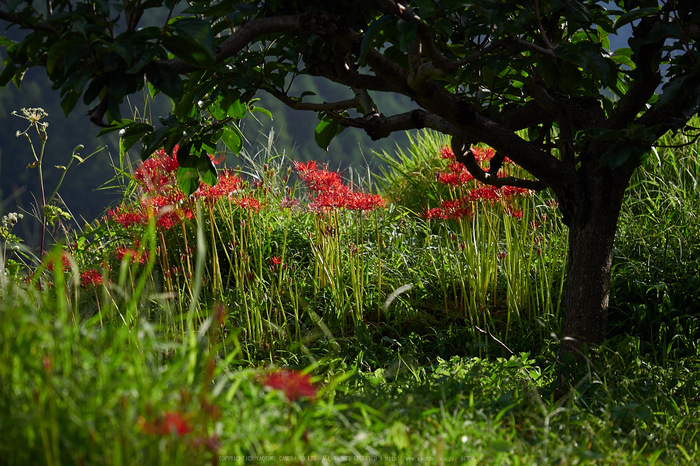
column 375, row 308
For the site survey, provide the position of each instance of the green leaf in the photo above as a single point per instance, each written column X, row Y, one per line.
column 192, row 42
column 115, row 127
column 232, row 138
column 207, row 170
column 369, row 39
column 326, row 130
column 132, row 133
column 634, row 15
column 264, row 111
column 8, row 73
column 154, row 141
column 187, row 179
column 69, row 101
column 166, row 80
column 604, row 134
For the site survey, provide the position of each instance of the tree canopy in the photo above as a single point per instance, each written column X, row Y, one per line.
column 537, row 80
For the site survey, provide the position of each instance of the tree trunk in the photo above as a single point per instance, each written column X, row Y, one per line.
column 592, row 226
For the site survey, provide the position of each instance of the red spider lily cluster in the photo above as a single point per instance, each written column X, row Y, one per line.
column 90, row 278
column 294, row 384
column 163, row 200
column 171, row 422
column 64, row 259
column 329, row 191
column 458, row 176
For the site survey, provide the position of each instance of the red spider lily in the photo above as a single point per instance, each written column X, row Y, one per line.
column 158, row 171
column 458, row 175
column 228, row 184
column 294, row 384
column 331, row 193
column 127, row 216
column 324, row 181
column 435, row 212
column 515, row 213
column 512, row 191
column 303, row 168
column 489, row 193
column 90, row 277
column 289, row 202
column 136, row 255
column 64, row 259
column 482, row 154
column 274, row 262
column 248, row 202
column 451, row 210
column 167, row 209
column 448, row 178
column 172, row 422
column 327, row 201
column 446, row 153
column 364, row 201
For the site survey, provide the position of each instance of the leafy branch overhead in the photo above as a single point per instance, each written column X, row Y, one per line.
column 479, row 72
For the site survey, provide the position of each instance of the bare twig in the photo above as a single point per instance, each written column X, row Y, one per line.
column 545, row 39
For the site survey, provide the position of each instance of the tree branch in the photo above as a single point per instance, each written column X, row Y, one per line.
column 641, row 90
column 534, row 47
column 463, row 153
column 22, row 22
column 378, row 126
column 308, row 23
column 297, row 104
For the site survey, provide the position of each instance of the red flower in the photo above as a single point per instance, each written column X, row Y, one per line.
column 364, row 201
column 275, row 260
column 90, row 277
column 454, row 210
column 294, row 384
column 489, row 193
column 228, row 183
column 446, row 153
column 135, row 254
column 448, row 178
column 304, row 168
column 248, row 202
column 157, row 173
column 173, row 422
column 127, row 216
column 483, row 153
column 64, row 259
column 515, row 213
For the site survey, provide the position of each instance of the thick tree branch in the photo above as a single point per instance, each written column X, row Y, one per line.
column 350, row 78
column 378, row 126
column 643, row 88
column 308, row 23
column 297, row 104
column 23, row 23
column 464, row 154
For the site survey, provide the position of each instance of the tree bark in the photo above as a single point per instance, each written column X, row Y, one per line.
column 591, row 235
